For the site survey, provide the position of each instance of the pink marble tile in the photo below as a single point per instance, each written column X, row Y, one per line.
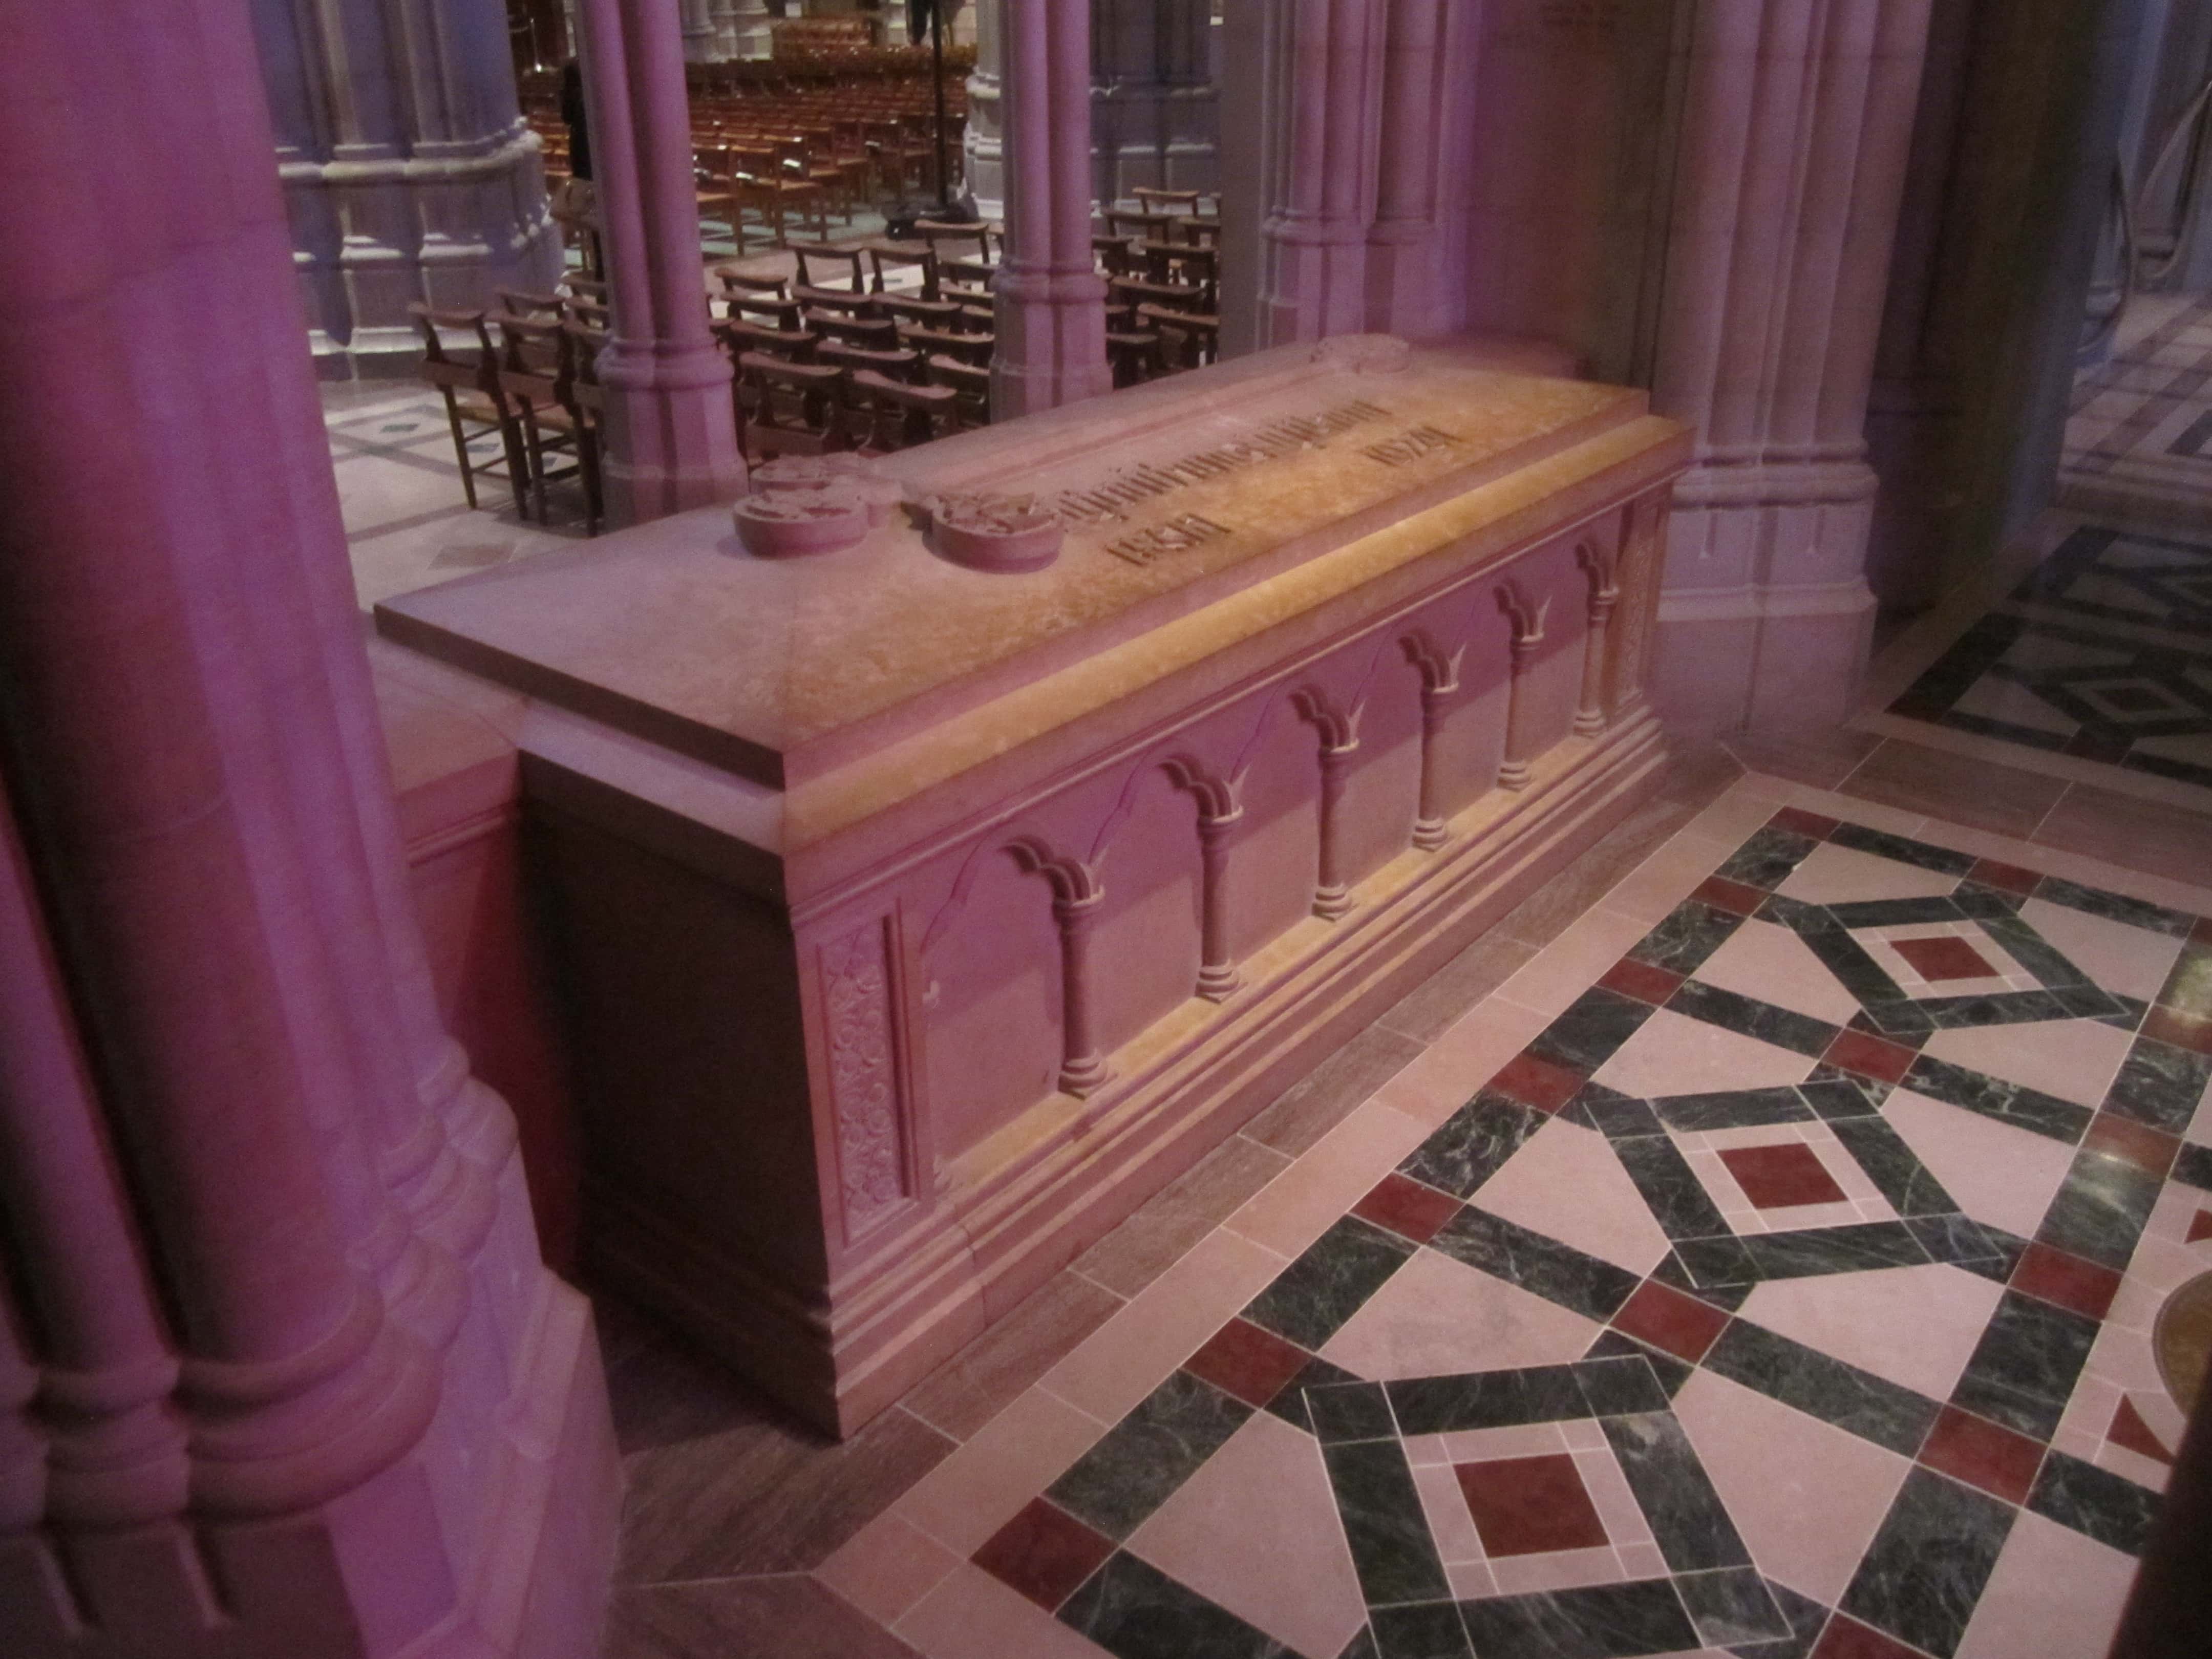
column 1807, row 1497
column 2080, row 1430
column 1423, row 1449
column 1564, row 968
column 1859, row 1318
column 2131, row 961
column 1582, row 1434
column 1525, row 1575
column 1839, row 875
column 1445, row 1505
column 886, row 1567
column 1565, row 1183
column 1643, row 1561
column 2055, row 1595
column 1301, row 1203
column 1666, row 878
column 1514, row 1440
column 1998, row 1174
column 2074, row 1059
column 1437, row 1316
column 1857, row 809
column 1671, row 1054
column 1609, row 1494
column 1255, row 1529
column 1470, row 1581
column 1462, row 1060
column 1012, row 1458
column 2132, row 1465
column 971, row 1615
column 1763, row 960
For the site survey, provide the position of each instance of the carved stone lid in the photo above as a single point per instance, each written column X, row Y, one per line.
column 1177, row 496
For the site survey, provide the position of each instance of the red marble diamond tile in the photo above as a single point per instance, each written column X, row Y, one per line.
column 1779, row 1177
column 2147, row 1149
column 1407, row 1207
column 1681, row 1325
column 2183, row 1030
column 1044, row 1552
column 2130, row 1433
column 1537, row 1083
column 2200, row 1226
column 1796, row 818
column 1945, row 957
column 2005, row 877
column 1531, row 1506
column 1730, row 896
column 1847, row 1638
column 1642, row 981
column 2001, row 1462
column 1869, row 1056
column 2067, row 1280
column 1242, row 1359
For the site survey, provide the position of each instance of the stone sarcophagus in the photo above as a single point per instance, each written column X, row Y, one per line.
column 920, row 920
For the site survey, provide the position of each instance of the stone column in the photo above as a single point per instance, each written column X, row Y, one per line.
column 1439, row 672
column 1339, row 732
column 1602, row 569
column 1219, row 813
column 1415, row 286
column 697, row 27
column 1797, row 123
column 1323, row 70
column 360, row 1385
column 1077, row 897
column 1051, row 301
column 983, row 142
column 409, row 174
column 1526, row 621
column 670, row 428
column 741, row 28
column 1155, row 120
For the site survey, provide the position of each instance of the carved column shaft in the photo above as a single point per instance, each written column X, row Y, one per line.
column 1514, row 772
column 670, row 429
column 983, row 141
column 1082, row 1068
column 1602, row 569
column 1431, row 826
column 1332, row 897
column 1051, row 314
column 1216, row 970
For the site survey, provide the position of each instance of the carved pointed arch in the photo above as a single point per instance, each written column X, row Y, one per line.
column 1218, row 798
column 1073, row 880
column 1439, row 668
column 1527, row 616
column 1339, row 726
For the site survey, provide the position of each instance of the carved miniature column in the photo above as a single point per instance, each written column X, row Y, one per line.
column 1219, row 812
column 300, row 1419
column 1076, row 898
column 1155, row 117
column 409, row 171
column 1528, row 625
column 1600, row 565
column 1439, row 672
column 670, row 428
column 1323, row 81
column 1340, row 740
column 1797, row 133
column 1051, row 301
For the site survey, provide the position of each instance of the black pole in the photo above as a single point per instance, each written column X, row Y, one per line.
column 936, row 85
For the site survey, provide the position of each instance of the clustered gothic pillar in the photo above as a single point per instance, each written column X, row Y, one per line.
column 1155, row 117
column 671, row 427
column 309, row 1390
column 1796, row 127
column 983, row 140
column 408, row 171
column 741, row 28
column 1051, row 301
column 1360, row 106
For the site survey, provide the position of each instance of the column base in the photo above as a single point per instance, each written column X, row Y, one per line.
column 1761, row 659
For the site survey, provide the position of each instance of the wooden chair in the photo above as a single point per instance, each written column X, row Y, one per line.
column 790, row 409
column 584, row 288
column 1187, row 340
column 974, row 348
column 926, row 314
column 903, row 366
column 971, row 386
column 476, row 406
column 1173, row 203
column 874, row 334
column 537, row 367
column 1134, row 354
column 736, row 282
column 738, row 337
column 1115, row 255
column 1189, row 265
column 717, row 189
column 1121, row 222
column 589, row 401
column 1169, row 297
column 517, row 303
column 761, row 182
column 884, row 414
column 843, row 262
column 885, row 256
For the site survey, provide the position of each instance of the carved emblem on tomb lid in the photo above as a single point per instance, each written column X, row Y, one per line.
column 857, row 1019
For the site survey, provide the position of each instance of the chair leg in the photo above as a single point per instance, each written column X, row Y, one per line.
column 537, row 460
column 460, row 445
column 587, row 461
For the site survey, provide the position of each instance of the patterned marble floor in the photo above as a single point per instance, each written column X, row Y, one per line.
column 2102, row 653
column 1767, row 1267
column 2139, row 439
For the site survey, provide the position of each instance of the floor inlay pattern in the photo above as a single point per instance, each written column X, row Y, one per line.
column 1872, row 1371
column 2103, row 652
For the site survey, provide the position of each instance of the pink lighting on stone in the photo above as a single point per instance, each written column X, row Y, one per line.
column 359, row 1390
